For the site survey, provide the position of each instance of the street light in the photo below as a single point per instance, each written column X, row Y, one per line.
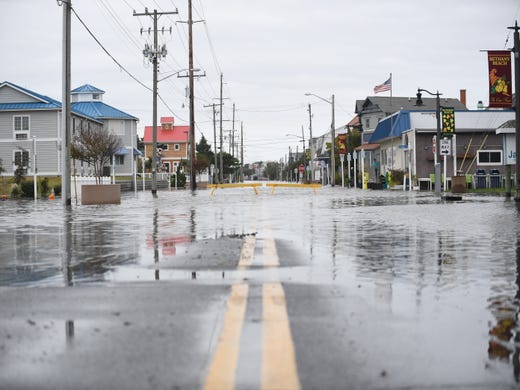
column 419, row 102
column 333, row 136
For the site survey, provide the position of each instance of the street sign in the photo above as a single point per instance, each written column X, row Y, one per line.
column 445, row 147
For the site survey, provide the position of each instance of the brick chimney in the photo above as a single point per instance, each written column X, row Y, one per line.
column 463, row 96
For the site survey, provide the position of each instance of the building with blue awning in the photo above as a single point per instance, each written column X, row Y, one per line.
column 406, row 142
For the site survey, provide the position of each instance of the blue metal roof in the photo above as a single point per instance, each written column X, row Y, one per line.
column 42, row 102
column 28, row 106
column 391, row 126
column 100, row 110
column 87, row 88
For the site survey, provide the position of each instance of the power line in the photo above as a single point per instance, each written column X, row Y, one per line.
column 108, row 53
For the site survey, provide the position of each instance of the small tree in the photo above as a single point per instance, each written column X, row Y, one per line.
column 95, row 146
column 271, row 170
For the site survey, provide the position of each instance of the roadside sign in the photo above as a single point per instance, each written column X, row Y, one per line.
column 445, row 147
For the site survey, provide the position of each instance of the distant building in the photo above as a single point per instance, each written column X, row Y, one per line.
column 172, row 144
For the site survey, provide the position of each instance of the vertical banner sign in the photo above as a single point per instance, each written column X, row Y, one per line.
column 499, row 63
column 448, row 121
column 342, row 143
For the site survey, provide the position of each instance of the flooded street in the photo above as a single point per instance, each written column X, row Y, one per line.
column 381, row 289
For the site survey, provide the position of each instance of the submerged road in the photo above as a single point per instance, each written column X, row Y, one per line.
column 339, row 289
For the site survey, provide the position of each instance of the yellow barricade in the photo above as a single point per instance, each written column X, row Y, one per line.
column 297, row 185
column 255, row 185
column 234, row 185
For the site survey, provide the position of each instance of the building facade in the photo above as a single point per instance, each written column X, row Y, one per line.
column 406, row 142
column 373, row 109
column 30, row 129
column 172, row 144
column 88, row 100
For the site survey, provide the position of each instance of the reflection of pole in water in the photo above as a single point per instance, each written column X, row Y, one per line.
column 193, row 226
column 69, row 331
column 156, row 241
column 334, row 248
column 504, row 339
column 68, row 273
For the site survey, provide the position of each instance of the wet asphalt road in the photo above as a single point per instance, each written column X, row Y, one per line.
column 338, row 289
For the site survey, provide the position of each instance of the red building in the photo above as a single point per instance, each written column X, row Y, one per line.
column 172, row 144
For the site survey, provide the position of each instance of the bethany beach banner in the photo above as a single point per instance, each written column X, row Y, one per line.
column 342, row 143
column 499, row 63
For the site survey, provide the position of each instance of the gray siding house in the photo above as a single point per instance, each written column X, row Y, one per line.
column 88, row 100
column 29, row 121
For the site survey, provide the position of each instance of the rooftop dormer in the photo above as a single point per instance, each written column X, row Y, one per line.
column 86, row 93
column 167, row 122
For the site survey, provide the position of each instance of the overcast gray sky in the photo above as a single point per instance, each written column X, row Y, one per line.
column 271, row 53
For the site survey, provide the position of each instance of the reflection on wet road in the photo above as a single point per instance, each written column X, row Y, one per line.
column 378, row 286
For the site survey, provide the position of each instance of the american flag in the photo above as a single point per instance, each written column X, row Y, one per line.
column 386, row 86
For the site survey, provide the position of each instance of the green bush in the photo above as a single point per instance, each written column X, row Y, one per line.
column 181, row 180
column 27, row 189
column 15, row 191
column 44, row 187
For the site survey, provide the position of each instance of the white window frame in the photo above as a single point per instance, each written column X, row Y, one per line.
column 21, row 151
column 21, row 133
column 119, row 159
column 176, row 147
column 490, row 151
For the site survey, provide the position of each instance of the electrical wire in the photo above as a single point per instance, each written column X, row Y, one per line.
column 122, row 67
column 108, row 53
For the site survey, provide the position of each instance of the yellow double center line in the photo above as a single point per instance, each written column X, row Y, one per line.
column 279, row 370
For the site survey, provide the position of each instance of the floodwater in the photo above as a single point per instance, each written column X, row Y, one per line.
column 449, row 265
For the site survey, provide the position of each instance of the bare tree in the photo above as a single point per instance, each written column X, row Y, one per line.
column 95, row 146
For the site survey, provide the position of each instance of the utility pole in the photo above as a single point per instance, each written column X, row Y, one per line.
column 153, row 54
column 333, row 147
column 516, row 52
column 311, row 145
column 232, row 145
column 221, row 173
column 65, row 110
column 193, row 183
column 241, row 152
column 214, row 138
